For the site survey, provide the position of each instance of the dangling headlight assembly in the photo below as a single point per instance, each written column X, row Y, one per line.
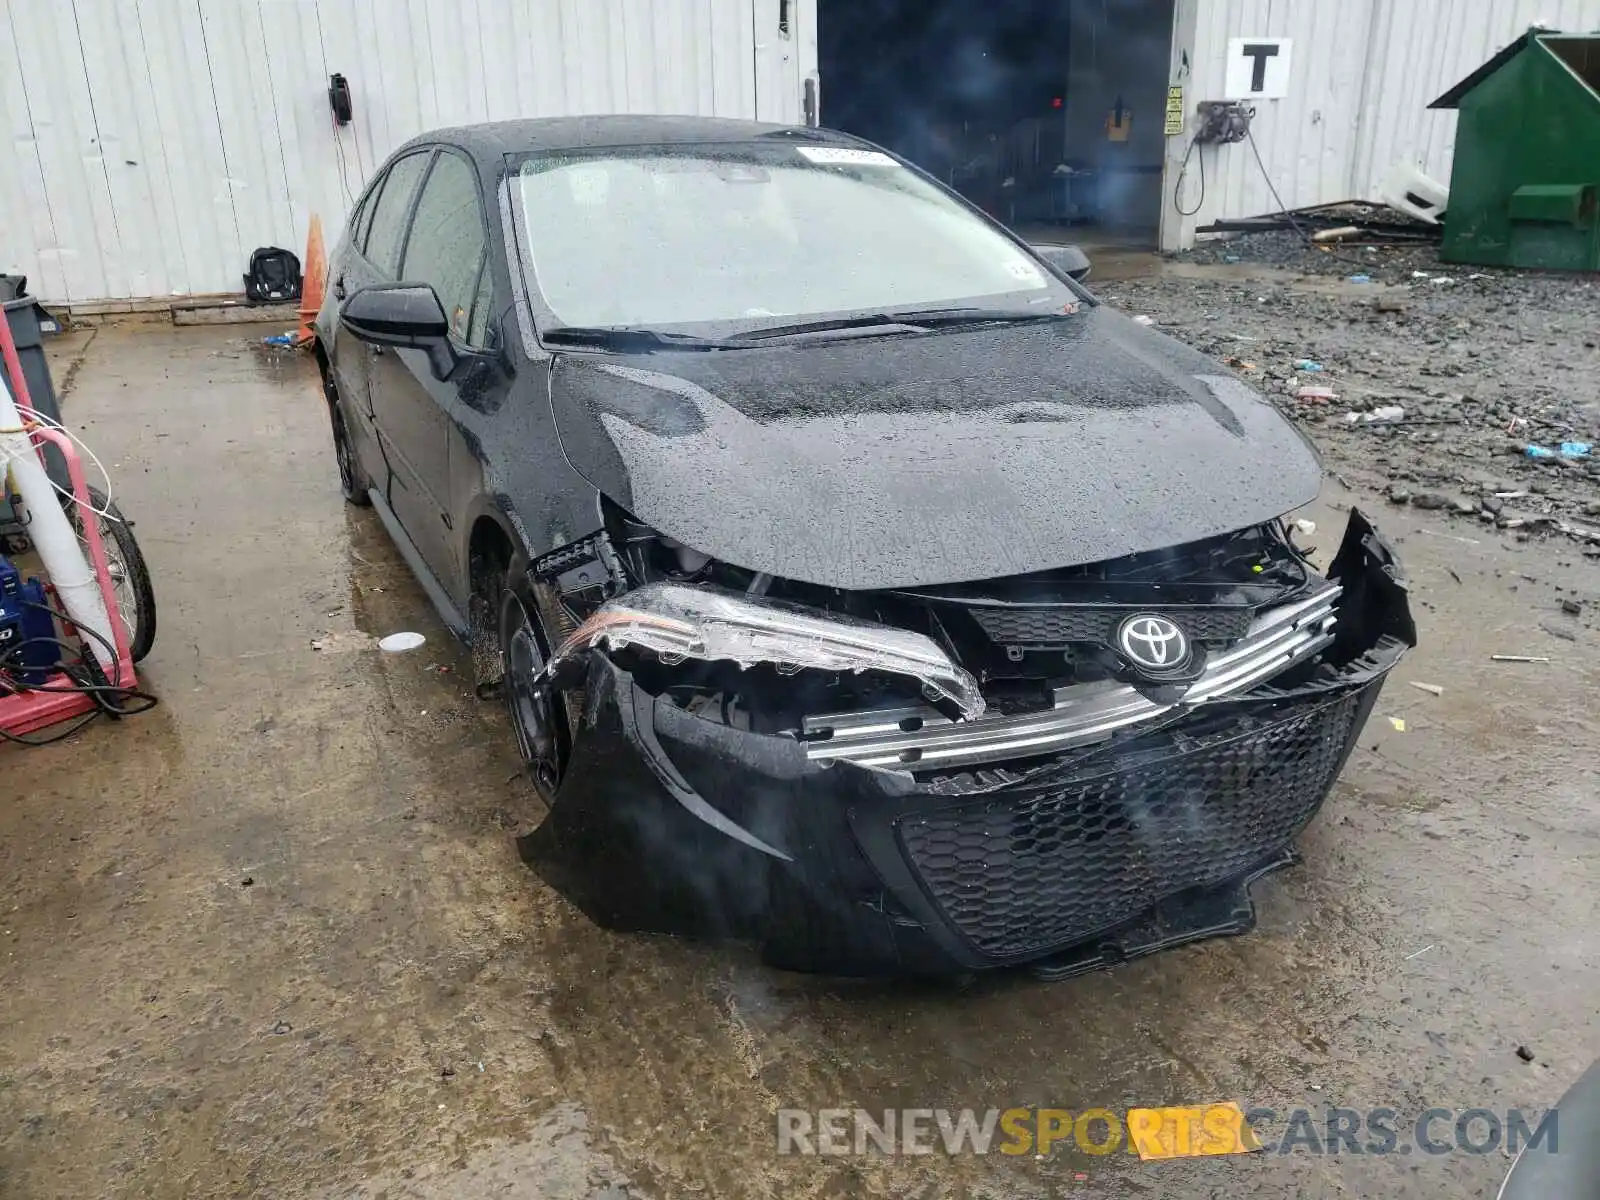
column 677, row 622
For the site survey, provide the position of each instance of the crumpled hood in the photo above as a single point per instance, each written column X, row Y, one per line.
column 924, row 459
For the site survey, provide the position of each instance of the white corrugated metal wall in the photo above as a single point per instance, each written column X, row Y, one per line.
column 155, row 143
column 1364, row 72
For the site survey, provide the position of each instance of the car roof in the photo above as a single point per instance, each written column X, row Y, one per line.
column 495, row 139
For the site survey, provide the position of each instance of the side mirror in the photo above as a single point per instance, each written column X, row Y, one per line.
column 1069, row 260
column 402, row 314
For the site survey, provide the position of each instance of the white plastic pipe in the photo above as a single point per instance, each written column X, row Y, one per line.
column 52, row 534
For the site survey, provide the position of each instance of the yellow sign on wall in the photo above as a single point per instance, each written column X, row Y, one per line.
column 1174, row 110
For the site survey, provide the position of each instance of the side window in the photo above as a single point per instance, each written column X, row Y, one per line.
column 447, row 237
column 482, row 308
column 363, row 218
column 388, row 223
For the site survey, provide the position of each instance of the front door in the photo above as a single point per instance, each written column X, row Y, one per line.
column 411, row 408
column 444, row 249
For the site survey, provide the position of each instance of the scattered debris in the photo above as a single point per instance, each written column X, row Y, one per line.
column 1572, row 607
column 1430, row 500
column 1384, row 413
column 1398, row 723
column 1319, row 395
column 1524, row 1054
column 1304, row 527
column 1141, row 319
column 1307, row 364
column 1419, row 953
column 1565, row 450
column 1433, row 689
column 1519, row 658
column 247, row 881
column 1476, row 387
column 282, row 1027
column 1582, row 532
column 1558, row 631
column 396, row 643
column 1342, row 220
column 1354, row 279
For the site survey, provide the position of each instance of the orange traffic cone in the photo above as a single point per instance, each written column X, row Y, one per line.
column 313, row 280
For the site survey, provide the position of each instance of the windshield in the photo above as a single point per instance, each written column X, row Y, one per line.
column 695, row 234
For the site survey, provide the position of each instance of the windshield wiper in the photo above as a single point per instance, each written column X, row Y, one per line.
column 641, row 338
column 973, row 314
column 627, row 337
column 872, row 322
column 914, row 321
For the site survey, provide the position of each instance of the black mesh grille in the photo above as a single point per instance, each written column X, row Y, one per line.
column 1041, row 867
column 1053, row 626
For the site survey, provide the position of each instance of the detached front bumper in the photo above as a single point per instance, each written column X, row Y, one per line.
column 673, row 823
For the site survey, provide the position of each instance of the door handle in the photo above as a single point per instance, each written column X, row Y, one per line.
column 338, row 288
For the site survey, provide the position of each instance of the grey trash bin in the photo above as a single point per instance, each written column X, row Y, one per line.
column 29, row 322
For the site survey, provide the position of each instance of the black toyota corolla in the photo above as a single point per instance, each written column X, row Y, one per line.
column 857, row 584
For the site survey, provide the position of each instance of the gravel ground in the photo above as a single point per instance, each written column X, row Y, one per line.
column 1481, row 365
column 1288, row 250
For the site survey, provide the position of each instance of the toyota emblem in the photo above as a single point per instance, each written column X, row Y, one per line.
column 1152, row 643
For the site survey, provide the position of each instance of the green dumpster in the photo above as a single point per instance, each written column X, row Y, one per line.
column 1526, row 176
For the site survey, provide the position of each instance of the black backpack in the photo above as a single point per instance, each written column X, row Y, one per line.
column 274, row 275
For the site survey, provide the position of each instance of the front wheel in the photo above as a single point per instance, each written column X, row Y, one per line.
column 535, row 711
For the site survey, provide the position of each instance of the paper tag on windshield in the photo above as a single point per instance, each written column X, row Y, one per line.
column 838, row 156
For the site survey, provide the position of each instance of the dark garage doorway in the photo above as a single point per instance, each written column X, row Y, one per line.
column 1046, row 113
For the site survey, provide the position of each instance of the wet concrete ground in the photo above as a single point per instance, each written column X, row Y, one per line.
column 274, row 938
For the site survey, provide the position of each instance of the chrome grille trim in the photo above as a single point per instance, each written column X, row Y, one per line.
column 1082, row 713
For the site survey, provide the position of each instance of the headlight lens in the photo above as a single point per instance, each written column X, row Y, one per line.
column 677, row 622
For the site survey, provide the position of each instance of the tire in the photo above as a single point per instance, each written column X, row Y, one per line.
column 353, row 481
column 538, row 719
column 136, row 599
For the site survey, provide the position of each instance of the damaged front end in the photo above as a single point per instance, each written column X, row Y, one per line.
column 1063, row 769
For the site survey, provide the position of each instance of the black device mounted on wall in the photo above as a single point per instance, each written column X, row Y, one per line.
column 339, row 99
column 1223, row 121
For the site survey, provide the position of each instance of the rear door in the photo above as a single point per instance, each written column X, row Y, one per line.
column 444, row 248
column 370, row 256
